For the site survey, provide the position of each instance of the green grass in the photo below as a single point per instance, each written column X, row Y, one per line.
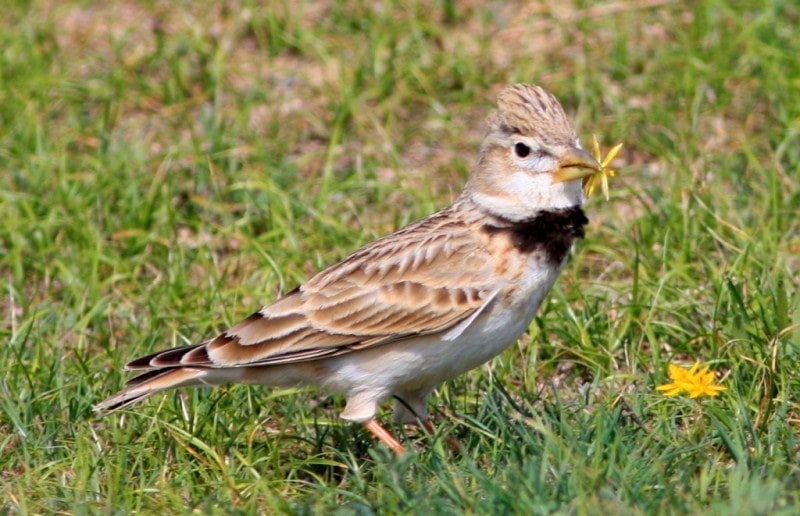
column 166, row 169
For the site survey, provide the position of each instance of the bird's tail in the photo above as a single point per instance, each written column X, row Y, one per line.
column 151, row 382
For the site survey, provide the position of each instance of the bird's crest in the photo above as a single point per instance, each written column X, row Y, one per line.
column 530, row 110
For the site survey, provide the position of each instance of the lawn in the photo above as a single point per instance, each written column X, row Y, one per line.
column 168, row 167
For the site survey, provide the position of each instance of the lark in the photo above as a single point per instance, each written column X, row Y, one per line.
column 422, row 305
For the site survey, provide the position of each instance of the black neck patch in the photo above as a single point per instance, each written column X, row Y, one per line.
column 550, row 232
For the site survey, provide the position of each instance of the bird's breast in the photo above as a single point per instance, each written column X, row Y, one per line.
column 549, row 234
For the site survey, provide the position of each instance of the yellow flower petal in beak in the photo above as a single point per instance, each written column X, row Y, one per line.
column 602, row 175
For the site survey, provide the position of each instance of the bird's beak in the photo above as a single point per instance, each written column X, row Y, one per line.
column 575, row 163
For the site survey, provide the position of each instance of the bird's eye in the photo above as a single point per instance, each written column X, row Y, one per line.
column 522, row 150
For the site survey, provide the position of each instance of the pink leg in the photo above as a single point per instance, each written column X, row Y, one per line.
column 384, row 436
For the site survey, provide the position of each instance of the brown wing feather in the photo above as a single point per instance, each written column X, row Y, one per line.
column 423, row 279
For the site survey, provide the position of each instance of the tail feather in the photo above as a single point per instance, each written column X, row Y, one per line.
column 151, row 382
column 191, row 355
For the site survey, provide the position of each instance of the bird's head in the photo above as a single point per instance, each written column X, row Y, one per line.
column 531, row 159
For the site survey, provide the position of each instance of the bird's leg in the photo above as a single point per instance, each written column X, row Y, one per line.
column 384, row 436
column 425, row 422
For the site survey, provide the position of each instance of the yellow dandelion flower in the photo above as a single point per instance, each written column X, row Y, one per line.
column 602, row 175
column 694, row 381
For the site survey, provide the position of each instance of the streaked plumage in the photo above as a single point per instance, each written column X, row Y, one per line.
column 422, row 305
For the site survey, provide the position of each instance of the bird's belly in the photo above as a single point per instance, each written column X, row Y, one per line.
column 425, row 361
column 490, row 334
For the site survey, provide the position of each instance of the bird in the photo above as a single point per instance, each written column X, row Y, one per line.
column 419, row 306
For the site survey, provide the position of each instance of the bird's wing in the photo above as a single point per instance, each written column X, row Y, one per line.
column 429, row 277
